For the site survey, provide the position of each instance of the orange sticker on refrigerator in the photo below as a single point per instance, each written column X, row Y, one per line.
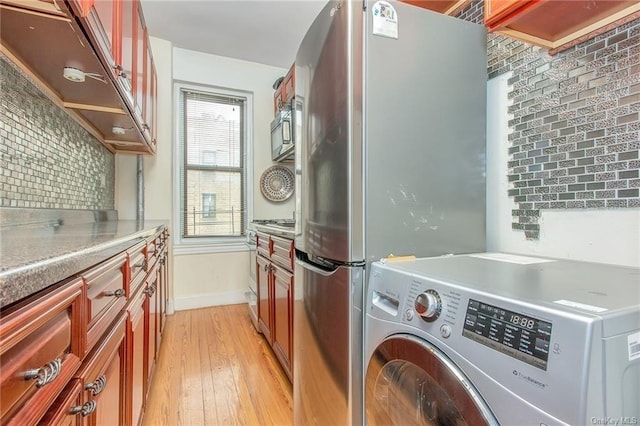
column 385, row 20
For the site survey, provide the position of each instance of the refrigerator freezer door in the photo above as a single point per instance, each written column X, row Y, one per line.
column 424, row 137
column 329, row 169
column 327, row 340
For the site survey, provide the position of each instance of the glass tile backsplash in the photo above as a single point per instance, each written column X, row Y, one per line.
column 574, row 122
column 47, row 159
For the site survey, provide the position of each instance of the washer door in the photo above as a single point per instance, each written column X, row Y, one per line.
column 411, row 382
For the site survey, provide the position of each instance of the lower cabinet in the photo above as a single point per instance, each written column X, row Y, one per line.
column 282, row 316
column 264, row 286
column 274, row 282
column 83, row 351
column 136, row 356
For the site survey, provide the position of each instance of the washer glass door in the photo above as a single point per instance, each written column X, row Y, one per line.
column 411, row 382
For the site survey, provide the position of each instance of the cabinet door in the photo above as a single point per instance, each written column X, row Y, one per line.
column 263, row 284
column 163, row 285
column 102, row 376
column 136, row 354
column 102, row 19
column 150, row 88
column 152, row 318
column 282, row 325
column 139, row 55
column 127, row 42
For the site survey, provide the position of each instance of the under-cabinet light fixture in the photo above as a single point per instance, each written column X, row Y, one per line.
column 78, row 76
column 119, row 130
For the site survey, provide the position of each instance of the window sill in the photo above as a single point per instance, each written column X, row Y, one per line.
column 184, row 249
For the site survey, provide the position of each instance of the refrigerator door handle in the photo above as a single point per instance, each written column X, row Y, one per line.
column 313, row 268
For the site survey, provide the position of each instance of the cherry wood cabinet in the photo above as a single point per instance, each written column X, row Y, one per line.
column 106, row 39
column 136, row 357
column 105, row 296
column 283, row 316
column 447, row 7
column 264, row 287
column 286, row 91
column 41, row 343
column 557, row 25
column 83, row 351
column 274, row 282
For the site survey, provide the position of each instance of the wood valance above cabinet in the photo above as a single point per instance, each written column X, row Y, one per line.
column 557, row 24
column 93, row 59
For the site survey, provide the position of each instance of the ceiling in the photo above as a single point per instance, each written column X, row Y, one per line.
column 264, row 31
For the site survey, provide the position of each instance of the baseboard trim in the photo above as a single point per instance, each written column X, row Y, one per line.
column 207, row 300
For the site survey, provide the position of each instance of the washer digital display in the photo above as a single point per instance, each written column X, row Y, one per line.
column 520, row 336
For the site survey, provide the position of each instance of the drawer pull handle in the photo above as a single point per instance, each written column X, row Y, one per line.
column 84, row 409
column 45, row 374
column 142, row 265
column 97, row 386
column 116, row 293
column 151, row 290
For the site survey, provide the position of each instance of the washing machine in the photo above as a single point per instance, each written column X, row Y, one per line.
column 494, row 338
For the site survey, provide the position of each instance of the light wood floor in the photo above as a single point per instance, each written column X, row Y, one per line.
column 215, row 369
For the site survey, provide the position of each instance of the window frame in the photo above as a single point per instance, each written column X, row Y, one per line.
column 195, row 245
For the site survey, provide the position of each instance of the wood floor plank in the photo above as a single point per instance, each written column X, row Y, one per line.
column 215, row 369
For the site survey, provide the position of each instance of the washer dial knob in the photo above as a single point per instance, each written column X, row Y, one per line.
column 428, row 305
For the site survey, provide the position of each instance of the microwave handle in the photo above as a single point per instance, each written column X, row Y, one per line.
column 286, row 132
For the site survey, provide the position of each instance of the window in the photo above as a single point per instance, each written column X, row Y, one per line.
column 212, row 145
column 208, row 205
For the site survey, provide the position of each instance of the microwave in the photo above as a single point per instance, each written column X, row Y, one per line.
column 282, row 146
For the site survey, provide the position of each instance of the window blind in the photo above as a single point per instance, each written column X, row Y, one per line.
column 212, row 176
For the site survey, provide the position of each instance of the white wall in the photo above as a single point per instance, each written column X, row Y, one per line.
column 228, row 73
column 598, row 235
column 203, row 279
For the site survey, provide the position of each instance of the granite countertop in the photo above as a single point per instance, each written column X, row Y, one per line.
column 34, row 258
column 276, row 229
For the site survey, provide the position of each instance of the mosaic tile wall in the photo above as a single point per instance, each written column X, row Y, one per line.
column 47, row 160
column 575, row 125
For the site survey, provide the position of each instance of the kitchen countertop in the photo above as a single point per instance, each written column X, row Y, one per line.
column 34, row 258
column 276, row 229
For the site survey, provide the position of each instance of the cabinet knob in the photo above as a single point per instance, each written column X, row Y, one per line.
column 115, row 293
column 84, row 409
column 162, row 260
column 45, row 374
column 97, row 386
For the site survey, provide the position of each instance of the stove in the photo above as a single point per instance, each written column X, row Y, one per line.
column 281, row 222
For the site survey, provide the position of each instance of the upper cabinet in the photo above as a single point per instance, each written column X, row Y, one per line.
column 93, row 58
column 285, row 91
column 557, row 24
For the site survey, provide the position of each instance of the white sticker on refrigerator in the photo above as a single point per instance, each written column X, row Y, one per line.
column 633, row 344
column 385, row 20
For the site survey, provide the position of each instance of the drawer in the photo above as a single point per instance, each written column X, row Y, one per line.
column 105, row 296
column 102, row 376
column 67, row 409
column 41, row 343
column 283, row 252
column 154, row 246
column 263, row 244
column 138, row 266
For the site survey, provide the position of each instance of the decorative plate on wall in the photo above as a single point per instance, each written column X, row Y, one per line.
column 277, row 183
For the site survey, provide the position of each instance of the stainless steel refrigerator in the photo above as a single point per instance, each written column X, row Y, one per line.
column 390, row 159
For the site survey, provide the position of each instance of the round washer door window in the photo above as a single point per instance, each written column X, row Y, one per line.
column 410, row 382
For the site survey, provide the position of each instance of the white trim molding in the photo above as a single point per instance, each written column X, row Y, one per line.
column 208, row 300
